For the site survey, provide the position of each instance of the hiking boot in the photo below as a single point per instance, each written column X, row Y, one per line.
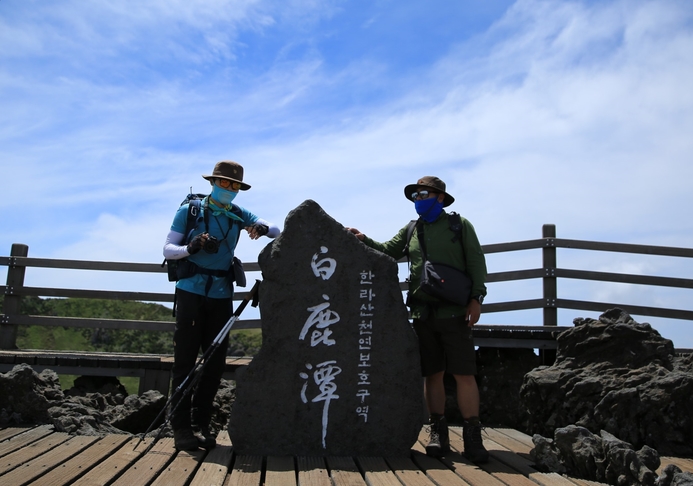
column 185, row 440
column 474, row 449
column 206, row 439
column 439, row 442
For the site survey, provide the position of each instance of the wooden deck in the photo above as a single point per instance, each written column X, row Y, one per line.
column 40, row 456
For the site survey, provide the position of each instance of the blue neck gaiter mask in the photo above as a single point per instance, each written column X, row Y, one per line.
column 429, row 209
column 222, row 195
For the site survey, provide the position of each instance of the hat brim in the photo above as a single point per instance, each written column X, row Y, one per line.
column 411, row 188
column 244, row 186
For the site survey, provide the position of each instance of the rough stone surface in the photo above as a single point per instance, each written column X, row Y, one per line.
column 617, row 375
column 221, row 408
column 673, row 476
column 579, row 453
column 26, row 396
column 82, row 416
column 94, row 406
column 338, row 372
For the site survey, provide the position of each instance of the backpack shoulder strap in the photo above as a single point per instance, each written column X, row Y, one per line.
column 410, row 231
column 238, row 212
column 193, row 217
column 455, row 223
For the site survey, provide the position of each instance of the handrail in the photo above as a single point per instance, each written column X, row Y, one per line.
column 100, row 294
column 625, row 248
column 24, row 261
column 549, row 302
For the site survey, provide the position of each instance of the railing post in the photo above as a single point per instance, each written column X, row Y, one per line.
column 549, row 280
column 13, row 299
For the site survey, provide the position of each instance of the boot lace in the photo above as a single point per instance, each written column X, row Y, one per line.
column 432, row 430
column 472, row 434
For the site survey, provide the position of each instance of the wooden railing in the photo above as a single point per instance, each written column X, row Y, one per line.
column 540, row 336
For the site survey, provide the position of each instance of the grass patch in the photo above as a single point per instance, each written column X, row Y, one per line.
column 245, row 342
column 55, row 338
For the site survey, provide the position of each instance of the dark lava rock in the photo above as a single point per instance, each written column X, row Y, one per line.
column 338, row 372
column 137, row 412
column 26, row 396
column 93, row 406
column 616, row 375
column 579, row 453
column 79, row 417
column 673, row 476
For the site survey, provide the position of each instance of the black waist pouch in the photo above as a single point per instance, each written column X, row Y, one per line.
column 446, row 283
column 171, row 269
column 185, row 269
column 238, row 272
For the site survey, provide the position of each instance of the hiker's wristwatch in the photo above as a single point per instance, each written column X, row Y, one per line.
column 479, row 298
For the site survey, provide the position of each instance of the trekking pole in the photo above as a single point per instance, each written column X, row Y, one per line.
column 196, row 372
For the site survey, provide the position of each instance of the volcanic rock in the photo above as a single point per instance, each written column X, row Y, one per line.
column 26, row 396
column 338, row 372
column 617, row 375
column 94, row 406
column 673, row 476
column 579, row 453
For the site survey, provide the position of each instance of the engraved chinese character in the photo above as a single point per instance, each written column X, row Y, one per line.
column 323, row 376
column 321, row 317
column 325, row 267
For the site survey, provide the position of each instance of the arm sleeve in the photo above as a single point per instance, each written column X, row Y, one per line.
column 393, row 248
column 273, row 230
column 173, row 250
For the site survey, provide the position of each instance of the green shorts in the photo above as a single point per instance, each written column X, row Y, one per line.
column 445, row 345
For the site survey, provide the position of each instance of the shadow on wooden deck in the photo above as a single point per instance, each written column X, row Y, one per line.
column 40, row 456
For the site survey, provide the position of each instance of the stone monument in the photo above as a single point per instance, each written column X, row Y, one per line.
column 338, row 372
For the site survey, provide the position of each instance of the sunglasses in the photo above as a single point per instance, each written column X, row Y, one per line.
column 226, row 184
column 421, row 195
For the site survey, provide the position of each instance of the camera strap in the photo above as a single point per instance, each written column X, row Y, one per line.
column 224, row 240
column 221, row 230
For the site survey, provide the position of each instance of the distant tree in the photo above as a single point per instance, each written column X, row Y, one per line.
column 242, row 343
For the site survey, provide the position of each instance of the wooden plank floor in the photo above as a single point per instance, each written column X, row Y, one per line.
column 40, row 456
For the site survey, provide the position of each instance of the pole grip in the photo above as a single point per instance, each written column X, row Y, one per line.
column 252, row 295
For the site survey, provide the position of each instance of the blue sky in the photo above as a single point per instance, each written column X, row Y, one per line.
column 575, row 113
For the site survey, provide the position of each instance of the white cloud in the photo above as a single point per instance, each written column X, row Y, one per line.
column 573, row 113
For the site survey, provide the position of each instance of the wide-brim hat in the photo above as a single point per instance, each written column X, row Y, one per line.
column 431, row 182
column 227, row 169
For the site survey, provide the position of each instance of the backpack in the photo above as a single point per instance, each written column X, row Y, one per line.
column 194, row 202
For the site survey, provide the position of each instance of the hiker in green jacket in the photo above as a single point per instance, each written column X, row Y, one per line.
column 444, row 328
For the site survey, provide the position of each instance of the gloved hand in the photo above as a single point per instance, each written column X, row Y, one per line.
column 259, row 229
column 196, row 244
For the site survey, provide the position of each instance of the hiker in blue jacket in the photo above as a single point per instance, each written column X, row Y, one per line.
column 204, row 293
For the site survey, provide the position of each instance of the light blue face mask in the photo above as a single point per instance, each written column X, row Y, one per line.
column 222, row 195
column 429, row 209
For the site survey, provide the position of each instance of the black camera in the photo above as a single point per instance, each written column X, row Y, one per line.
column 211, row 245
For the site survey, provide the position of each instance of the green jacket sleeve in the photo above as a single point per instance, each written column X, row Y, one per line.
column 393, row 248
